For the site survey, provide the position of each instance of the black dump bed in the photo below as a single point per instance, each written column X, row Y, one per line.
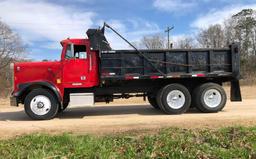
column 218, row 65
column 131, row 64
column 174, row 63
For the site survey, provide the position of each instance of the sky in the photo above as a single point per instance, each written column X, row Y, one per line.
column 42, row 24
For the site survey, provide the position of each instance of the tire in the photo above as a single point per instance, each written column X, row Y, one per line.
column 153, row 102
column 41, row 104
column 174, row 99
column 209, row 98
column 158, row 99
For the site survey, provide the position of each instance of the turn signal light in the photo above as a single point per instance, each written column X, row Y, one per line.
column 58, row 81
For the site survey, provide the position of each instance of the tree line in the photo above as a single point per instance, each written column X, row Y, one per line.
column 239, row 28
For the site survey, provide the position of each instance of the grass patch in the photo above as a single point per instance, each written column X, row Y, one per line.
column 238, row 142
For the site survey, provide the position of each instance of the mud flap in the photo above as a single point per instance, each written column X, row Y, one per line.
column 235, row 92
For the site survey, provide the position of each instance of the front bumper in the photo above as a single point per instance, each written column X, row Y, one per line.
column 14, row 101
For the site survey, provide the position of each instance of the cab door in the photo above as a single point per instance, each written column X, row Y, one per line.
column 75, row 66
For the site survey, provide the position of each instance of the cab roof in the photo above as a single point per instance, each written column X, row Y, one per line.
column 75, row 41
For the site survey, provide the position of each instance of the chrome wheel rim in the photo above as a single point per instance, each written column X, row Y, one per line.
column 176, row 99
column 212, row 98
column 40, row 105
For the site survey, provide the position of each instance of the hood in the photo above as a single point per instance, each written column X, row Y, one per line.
column 37, row 71
column 37, row 64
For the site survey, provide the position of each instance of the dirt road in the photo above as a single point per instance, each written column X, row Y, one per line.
column 121, row 117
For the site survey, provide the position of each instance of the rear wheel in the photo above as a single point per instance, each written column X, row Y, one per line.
column 41, row 104
column 209, row 98
column 174, row 99
column 153, row 102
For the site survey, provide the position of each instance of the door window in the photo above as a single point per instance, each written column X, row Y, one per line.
column 78, row 52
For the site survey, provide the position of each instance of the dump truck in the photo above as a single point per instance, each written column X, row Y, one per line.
column 90, row 71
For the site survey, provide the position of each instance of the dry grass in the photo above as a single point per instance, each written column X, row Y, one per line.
column 4, row 102
column 248, row 92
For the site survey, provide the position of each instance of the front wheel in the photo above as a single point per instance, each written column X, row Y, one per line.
column 209, row 98
column 41, row 104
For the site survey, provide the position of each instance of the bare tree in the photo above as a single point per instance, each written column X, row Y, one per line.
column 11, row 46
column 11, row 49
column 212, row 37
column 245, row 30
column 185, row 43
column 230, row 32
column 241, row 28
column 153, row 42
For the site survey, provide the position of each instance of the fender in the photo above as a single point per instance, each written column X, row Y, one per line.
column 25, row 86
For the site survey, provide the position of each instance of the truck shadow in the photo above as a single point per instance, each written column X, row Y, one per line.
column 114, row 110
column 76, row 113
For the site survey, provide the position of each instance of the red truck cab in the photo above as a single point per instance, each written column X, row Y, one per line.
column 79, row 64
column 77, row 68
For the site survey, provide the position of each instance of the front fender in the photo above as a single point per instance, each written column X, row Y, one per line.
column 24, row 87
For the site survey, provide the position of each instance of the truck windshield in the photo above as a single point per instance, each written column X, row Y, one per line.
column 69, row 53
